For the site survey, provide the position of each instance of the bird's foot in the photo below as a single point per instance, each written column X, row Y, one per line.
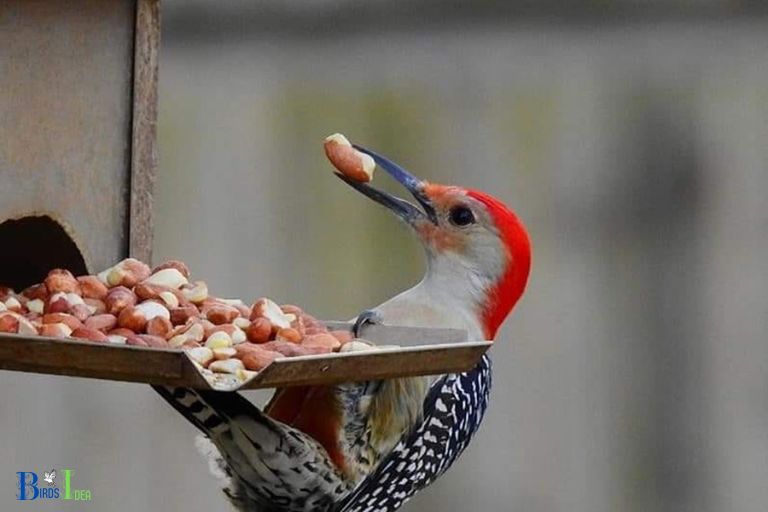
column 367, row 317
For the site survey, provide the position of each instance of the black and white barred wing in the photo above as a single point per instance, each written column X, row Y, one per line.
column 271, row 466
column 453, row 411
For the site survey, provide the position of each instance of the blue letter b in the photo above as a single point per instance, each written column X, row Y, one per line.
column 27, row 483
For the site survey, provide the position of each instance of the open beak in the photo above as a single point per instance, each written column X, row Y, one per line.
column 406, row 210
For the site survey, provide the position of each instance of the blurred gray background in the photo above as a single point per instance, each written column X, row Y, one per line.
column 631, row 137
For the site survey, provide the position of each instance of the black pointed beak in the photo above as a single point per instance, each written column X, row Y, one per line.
column 406, row 210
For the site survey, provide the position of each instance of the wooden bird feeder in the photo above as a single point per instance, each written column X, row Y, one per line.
column 78, row 113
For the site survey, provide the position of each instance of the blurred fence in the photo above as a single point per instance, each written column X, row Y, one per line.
column 632, row 376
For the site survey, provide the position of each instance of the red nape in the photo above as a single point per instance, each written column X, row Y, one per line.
column 313, row 410
column 503, row 296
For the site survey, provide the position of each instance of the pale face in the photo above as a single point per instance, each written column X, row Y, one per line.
column 463, row 232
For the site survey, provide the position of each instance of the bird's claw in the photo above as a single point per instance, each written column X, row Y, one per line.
column 367, row 317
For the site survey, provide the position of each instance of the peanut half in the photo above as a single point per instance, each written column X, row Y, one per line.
column 350, row 162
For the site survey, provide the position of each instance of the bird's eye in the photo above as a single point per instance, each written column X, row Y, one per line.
column 461, row 216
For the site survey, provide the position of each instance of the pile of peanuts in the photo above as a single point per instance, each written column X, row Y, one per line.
column 133, row 304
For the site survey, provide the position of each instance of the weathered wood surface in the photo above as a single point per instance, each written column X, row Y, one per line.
column 377, row 364
column 66, row 80
column 449, row 352
column 144, row 136
column 93, row 360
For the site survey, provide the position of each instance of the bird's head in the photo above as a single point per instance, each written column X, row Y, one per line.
column 469, row 236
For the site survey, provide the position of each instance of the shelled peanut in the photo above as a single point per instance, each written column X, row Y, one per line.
column 133, row 304
column 349, row 161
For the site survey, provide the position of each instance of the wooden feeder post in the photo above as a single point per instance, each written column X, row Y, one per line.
column 78, row 115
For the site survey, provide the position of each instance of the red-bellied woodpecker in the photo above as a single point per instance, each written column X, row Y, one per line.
column 371, row 446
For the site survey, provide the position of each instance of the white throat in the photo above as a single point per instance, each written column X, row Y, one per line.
column 449, row 296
